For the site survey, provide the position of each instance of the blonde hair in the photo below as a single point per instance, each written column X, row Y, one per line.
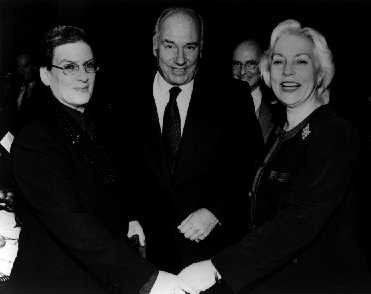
column 323, row 56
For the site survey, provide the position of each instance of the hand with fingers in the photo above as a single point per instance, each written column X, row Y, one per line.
column 167, row 283
column 137, row 238
column 200, row 276
column 198, row 225
column 136, row 229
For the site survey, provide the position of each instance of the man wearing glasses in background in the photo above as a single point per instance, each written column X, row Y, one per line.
column 245, row 67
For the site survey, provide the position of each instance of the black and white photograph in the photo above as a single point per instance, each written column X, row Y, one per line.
column 185, row 147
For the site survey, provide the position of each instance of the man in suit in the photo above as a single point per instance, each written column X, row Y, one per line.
column 27, row 73
column 71, row 203
column 245, row 67
column 186, row 187
column 26, row 90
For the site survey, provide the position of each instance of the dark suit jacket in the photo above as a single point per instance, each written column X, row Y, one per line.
column 204, row 173
column 72, row 210
column 271, row 112
column 305, row 240
column 29, row 106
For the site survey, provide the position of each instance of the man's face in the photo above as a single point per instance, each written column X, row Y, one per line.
column 177, row 49
column 71, row 90
column 245, row 64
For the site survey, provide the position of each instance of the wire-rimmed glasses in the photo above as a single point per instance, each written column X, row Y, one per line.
column 247, row 66
column 71, row 68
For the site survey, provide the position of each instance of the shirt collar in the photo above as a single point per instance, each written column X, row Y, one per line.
column 164, row 87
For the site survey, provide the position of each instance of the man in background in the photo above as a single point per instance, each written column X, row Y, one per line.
column 26, row 91
column 27, row 73
column 245, row 67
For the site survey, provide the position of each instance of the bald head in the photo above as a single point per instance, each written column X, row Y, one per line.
column 25, row 67
column 246, row 58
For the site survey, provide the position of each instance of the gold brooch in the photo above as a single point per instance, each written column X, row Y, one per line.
column 305, row 133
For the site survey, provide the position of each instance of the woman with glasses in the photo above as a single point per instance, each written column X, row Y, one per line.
column 303, row 236
column 70, row 202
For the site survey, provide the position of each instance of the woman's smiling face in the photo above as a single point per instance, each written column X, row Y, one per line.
column 293, row 73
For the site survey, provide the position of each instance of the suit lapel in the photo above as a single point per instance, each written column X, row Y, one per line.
column 188, row 143
column 197, row 135
column 152, row 143
column 265, row 119
column 196, row 139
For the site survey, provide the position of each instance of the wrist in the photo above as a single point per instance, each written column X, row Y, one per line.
column 218, row 276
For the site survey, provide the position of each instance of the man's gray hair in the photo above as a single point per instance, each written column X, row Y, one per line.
column 182, row 11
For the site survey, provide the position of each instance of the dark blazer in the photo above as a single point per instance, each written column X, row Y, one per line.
column 30, row 106
column 204, row 173
column 72, row 210
column 305, row 240
column 271, row 112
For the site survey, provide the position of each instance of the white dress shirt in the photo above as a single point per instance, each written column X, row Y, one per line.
column 161, row 95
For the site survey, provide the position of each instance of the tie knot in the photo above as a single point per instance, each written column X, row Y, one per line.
column 174, row 92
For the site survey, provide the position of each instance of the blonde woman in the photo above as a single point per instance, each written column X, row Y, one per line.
column 302, row 238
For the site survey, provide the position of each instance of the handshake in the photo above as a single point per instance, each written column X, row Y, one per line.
column 193, row 279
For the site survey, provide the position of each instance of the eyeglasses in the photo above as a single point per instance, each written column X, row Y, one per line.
column 248, row 65
column 71, row 69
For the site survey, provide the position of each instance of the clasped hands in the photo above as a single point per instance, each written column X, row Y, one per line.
column 167, row 283
column 198, row 276
column 193, row 279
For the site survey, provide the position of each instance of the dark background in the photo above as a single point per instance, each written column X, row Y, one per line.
column 123, row 31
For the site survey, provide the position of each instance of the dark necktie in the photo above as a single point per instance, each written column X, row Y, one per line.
column 171, row 128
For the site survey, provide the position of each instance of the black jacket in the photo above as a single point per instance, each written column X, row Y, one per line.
column 72, row 210
column 206, row 171
column 305, row 239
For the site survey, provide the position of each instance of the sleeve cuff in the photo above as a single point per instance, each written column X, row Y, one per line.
column 149, row 284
